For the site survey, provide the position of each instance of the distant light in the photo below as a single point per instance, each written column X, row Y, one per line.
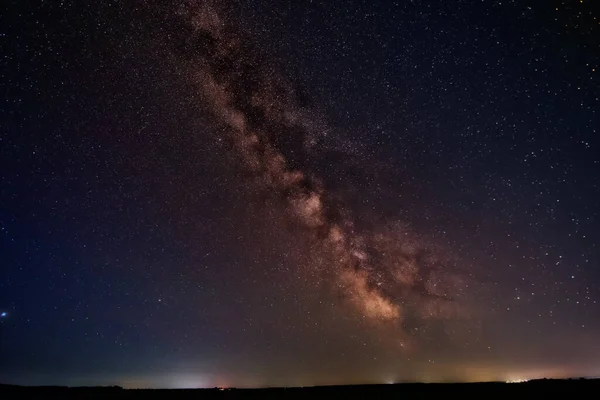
column 517, row 381
column 3, row 314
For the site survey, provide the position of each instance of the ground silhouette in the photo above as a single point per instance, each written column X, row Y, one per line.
column 497, row 389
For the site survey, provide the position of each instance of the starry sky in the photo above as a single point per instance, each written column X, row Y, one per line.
column 272, row 193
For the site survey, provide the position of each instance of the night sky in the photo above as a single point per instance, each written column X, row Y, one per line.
column 272, row 193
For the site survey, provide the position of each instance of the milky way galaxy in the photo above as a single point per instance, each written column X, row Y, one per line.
column 386, row 274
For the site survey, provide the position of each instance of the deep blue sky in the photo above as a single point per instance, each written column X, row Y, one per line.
column 140, row 247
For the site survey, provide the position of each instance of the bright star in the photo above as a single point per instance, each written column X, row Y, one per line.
column 3, row 314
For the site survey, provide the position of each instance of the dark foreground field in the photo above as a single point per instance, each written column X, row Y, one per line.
column 576, row 388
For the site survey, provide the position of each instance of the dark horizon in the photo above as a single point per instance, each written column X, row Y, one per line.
column 408, row 383
column 534, row 388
